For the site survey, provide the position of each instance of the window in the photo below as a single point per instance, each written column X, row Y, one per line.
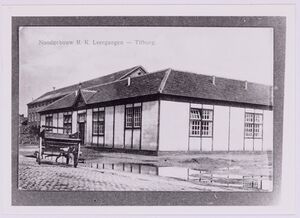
column 81, row 117
column 98, row 122
column 68, row 123
column 49, row 122
column 253, row 125
column 133, row 117
column 137, row 117
column 201, row 122
column 129, row 117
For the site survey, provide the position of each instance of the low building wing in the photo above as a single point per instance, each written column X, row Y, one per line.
column 58, row 93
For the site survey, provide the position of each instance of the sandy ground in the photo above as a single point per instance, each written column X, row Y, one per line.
column 59, row 177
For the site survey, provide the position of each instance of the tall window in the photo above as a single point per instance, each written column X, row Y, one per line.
column 253, row 125
column 49, row 122
column 133, row 117
column 68, row 123
column 201, row 122
column 98, row 122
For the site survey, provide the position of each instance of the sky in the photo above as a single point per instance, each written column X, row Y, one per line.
column 60, row 56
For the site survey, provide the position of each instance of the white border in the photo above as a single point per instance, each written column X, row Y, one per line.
column 287, row 202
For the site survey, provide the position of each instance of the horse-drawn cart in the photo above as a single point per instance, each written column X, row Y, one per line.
column 58, row 145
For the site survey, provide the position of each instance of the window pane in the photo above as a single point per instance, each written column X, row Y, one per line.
column 206, row 128
column 101, row 115
column 257, row 130
column 249, row 130
column 195, row 114
column 67, row 128
column 95, row 128
column 129, row 117
column 81, row 117
column 258, row 118
column 195, row 127
column 137, row 116
column 207, row 115
column 49, row 122
column 249, row 118
column 101, row 127
column 253, row 125
column 95, row 116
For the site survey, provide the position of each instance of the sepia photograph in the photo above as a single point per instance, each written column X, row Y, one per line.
column 147, row 110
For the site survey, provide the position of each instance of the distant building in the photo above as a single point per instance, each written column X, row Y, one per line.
column 49, row 97
column 167, row 110
column 22, row 123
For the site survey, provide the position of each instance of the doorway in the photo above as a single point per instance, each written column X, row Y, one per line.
column 81, row 132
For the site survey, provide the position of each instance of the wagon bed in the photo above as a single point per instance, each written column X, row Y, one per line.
column 58, row 145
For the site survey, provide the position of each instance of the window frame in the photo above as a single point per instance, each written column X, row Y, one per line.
column 253, row 123
column 68, row 123
column 202, row 121
column 46, row 124
column 135, row 110
column 98, row 122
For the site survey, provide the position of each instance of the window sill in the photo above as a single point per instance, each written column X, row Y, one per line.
column 196, row 136
column 253, row 138
column 132, row 127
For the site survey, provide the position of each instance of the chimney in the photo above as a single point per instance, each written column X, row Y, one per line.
column 214, row 80
column 246, row 84
column 128, row 81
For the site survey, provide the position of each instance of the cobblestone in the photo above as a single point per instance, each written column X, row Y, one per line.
column 51, row 176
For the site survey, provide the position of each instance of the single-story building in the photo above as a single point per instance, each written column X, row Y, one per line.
column 167, row 110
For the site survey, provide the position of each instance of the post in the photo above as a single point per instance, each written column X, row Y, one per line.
column 40, row 151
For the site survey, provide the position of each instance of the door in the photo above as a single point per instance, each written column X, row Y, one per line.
column 81, row 132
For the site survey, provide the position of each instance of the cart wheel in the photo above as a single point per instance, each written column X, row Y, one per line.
column 56, row 159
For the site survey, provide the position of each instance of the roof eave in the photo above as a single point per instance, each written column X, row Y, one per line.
column 180, row 98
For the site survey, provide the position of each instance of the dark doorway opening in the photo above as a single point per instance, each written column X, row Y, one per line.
column 81, row 132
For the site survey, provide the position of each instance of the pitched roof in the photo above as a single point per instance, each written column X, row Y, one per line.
column 64, row 102
column 175, row 83
column 86, row 84
column 87, row 94
column 186, row 84
column 139, row 86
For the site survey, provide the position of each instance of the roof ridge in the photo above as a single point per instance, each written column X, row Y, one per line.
column 164, row 80
column 103, row 84
column 218, row 77
column 87, row 90
column 131, row 68
column 131, row 71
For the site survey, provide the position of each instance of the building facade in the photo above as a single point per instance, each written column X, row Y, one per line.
column 167, row 110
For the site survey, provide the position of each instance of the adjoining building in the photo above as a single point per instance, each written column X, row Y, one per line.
column 167, row 110
column 49, row 97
